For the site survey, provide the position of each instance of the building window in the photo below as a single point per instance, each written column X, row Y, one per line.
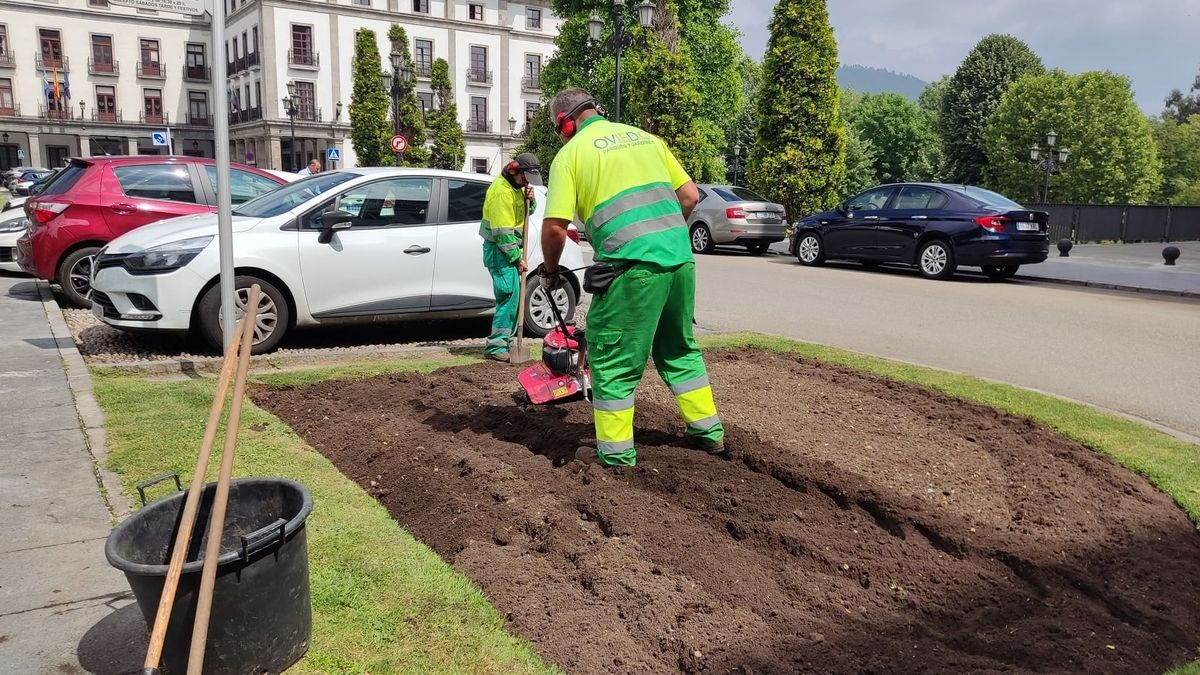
column 196, row 64
column 476, row 12
column 302, row 43
column 423, row 50
column 426, row 98
column 255, row 34
column 51, row 48
column 365, row 3
column 97, row 3
column 3, row 40
column 153, row 108
column 307, row 100
column 478, row 121
column 258, row 93
column 533, row 72
column 421, row 6
column 478, row 71
column 533, row 18
column 198, row 108
column 106, row 104
column 479, row 165
column 102, row 54
column 249, row 103
column 245, row 43
column 150, row 58
column 531, row 111
column 237, row 53
column 8, row 106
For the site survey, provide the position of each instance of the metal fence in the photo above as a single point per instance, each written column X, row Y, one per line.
column 1115, row 222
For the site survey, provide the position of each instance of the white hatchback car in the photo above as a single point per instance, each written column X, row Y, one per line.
column 13, row 223
column 352, row 245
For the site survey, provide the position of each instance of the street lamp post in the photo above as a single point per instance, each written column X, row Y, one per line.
column 620, row 38
column 398, row 82
column 333, row 130
column 737, row 162
column 289, row 106
column 1048, row 161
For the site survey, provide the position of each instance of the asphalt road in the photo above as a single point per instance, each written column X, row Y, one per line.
column 1135, row 354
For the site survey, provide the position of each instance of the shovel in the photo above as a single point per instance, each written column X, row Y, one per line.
column 519, row 352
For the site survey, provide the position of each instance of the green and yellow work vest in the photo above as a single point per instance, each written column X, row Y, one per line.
column 503, row 218
column 620, row 181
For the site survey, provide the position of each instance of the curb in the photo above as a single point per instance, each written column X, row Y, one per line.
column 91, row 417
column 211, row 365
column 1191, row 295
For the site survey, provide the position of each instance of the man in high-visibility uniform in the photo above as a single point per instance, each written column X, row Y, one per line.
column 504, row 210
column 633, row 198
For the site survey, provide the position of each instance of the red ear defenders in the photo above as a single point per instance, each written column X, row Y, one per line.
column 564, row 122
column 512, row 168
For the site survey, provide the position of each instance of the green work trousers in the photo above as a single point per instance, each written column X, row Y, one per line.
column 506, row 286
column 646, row 312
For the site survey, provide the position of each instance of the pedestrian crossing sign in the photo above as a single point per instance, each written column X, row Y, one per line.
column 333, row 155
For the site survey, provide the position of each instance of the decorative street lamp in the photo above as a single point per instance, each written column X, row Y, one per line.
column 289, row 107
column 1048, row 161
column 398, row 82
column 333, row 128
column 620, row 38
column 82, row 105
column 737, row 162
column 512, row 126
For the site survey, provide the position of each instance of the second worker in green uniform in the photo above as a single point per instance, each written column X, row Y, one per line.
column 507, row 202
column 633, row 198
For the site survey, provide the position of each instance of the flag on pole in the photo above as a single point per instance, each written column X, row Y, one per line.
column 57, row 90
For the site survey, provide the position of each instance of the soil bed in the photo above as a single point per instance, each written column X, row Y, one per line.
column 860, row 525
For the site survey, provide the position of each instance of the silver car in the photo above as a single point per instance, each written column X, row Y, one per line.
column 735, row 216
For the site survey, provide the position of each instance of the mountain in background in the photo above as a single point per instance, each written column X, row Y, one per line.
column 867, row 80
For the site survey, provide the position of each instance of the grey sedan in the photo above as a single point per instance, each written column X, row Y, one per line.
column 736, row 216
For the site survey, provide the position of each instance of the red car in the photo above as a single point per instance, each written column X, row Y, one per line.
column 97, row 199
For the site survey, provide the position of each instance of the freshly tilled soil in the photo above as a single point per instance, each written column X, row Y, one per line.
column 859, row 525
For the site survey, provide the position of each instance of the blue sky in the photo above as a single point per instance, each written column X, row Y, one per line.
column 1156, row 43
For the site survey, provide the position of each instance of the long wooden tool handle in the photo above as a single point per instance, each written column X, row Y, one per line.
column 216, row 523
column 191, row 505
column 520, row 329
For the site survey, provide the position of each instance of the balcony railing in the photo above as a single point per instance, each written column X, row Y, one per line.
column 7, row 60
column 531, row 83
column 479, row 126
column 48, row 113
column 424, row 70
column 243, row 116
column 252, row 59
column 14, row 111
column 103, row 67
column 151, row 70
column 479, row 76
column 101, row 116
column 197, row 73
column 61, row 63
column 304, row 59
column 305, row 114
column 204, row 121
column 147, row 118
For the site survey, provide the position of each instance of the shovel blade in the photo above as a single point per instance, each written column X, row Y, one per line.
column 518, row 354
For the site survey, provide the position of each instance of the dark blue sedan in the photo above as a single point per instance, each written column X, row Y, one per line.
column 933, row 226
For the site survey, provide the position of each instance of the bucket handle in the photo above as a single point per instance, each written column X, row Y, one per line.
column 252, row 540
column 142, row 486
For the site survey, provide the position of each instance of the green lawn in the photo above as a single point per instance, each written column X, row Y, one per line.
column 383, row 602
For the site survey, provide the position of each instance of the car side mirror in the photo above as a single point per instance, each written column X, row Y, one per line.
column 841, row 208
column 331, row 222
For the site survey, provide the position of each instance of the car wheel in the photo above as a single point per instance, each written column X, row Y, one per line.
column 539, row 318
column 999, row 272
column 75, row 276
column 810, row 251
column 757, row 249
column 702, row 241
column 272, row 319
column 936, row 260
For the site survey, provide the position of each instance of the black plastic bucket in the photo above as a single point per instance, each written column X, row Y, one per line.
column 262, row 610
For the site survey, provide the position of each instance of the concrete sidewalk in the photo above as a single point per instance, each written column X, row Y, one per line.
column 60, row 601
column 1123, row 267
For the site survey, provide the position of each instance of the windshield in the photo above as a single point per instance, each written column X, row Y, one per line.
column 292, row 195
column 989, row 198
column 738, row 194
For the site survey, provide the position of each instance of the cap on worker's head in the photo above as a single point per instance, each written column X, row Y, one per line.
column 528, row 162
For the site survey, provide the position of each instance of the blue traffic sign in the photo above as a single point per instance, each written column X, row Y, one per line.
column 333, row 155
column 160, row 138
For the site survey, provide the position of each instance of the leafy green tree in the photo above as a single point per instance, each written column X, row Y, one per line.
column 902, row 135
column 860, row 164
column 1181, row 107
column 972, row 96
column 369, row 125
column 740, row 132
column 449, row 149
column 1113, row 156
column 541, row 140
column 1179, row 149
column 412, row 124
column 799, row 155
column 933, row 98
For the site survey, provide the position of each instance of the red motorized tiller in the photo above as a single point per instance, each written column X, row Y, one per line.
column 563, row 371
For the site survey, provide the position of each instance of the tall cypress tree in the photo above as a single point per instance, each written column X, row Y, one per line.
column 369, row 126
column 973, row 95
column 799, row 155
column 412, row 125
column 449, row 149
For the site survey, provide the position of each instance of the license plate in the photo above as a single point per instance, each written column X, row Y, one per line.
column 765, row 215
column 1028, row 227
column 97, row 310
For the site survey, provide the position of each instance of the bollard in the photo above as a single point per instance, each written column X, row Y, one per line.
column 1064, row 247
column 1170, row 254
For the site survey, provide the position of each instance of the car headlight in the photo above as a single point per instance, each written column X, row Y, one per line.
column 15, row 225
column 166, row 257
